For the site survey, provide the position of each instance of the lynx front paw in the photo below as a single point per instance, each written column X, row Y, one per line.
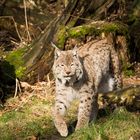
column 62, row 128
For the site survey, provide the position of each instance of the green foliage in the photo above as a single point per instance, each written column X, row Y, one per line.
column 15, row 59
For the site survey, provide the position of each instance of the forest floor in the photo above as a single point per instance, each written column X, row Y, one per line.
column 28, row 117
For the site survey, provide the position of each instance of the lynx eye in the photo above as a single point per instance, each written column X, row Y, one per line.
column 72, row 64
column 62, row 65
column 74, row 55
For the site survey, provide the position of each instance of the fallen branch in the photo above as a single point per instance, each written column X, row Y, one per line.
column 18, row 86
column 128, row 97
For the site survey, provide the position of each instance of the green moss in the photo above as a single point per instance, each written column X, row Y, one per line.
column 61, row 37
column 15, row 59
column 82, row 31
column 20, row 71
column 109, row 28
column 115, row 27
column 94, row 29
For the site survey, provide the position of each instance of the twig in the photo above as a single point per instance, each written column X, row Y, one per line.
column 15, row 24
column 17, row 87
column 26, row 21
column 48, row 80
column 15, row 42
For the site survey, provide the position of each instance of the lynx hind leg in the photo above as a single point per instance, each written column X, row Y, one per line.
column 116, row 69
column 88, row 109
column 58, row 115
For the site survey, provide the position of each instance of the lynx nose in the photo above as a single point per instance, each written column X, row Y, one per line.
column 67, row 72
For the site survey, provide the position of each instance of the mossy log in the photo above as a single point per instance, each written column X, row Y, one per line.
column 129, row 97
column 97, row 28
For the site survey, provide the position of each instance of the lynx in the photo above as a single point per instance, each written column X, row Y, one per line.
column 82, row 73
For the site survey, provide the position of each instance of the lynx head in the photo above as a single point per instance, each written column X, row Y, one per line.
column 67, row 67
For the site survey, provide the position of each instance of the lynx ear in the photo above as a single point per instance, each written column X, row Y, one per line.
column 57, row 51
column 53, row 45
column 75, row 51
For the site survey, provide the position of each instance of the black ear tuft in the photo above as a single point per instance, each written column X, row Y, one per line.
column 57, row 51
column 75, row 51
column 53, row 45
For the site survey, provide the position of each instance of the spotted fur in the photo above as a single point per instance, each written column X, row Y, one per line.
column 82, row 73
